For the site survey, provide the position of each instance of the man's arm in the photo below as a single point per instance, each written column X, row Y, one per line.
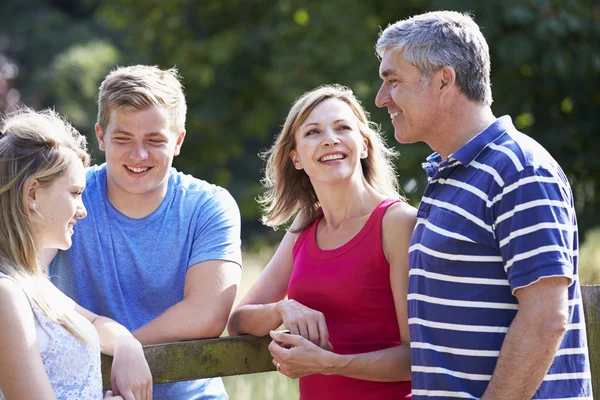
column 210, row 288
column 532, row 340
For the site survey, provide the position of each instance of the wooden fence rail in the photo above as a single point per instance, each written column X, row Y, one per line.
column 239, row 355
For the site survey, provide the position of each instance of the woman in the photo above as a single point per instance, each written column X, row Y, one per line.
column 49, row 346
column 343, row 262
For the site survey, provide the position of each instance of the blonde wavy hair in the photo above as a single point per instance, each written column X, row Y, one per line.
column 289, row 191
column 33, row 145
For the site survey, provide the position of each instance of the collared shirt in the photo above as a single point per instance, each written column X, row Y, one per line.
column 496, row 216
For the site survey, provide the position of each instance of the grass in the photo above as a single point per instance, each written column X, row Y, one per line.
column 268, row 385
column 274, row 386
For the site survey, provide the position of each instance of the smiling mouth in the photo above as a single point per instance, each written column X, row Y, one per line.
column 394, row 115
column 137, row 170
column 332, row 157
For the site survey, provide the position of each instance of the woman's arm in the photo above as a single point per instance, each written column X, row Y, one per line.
column 130, row 372
column 265, row 308
column 298, row 357
column 258, row 311
column 22, row 373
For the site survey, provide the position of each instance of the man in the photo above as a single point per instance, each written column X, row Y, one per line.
column 494, row 303
column 160, row 250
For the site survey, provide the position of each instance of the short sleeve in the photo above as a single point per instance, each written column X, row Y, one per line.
column 217, row 231
column 536, row 227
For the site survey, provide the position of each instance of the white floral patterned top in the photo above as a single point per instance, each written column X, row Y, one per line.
column 72, row 366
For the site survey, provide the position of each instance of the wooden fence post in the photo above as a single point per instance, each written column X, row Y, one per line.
column 591, row 305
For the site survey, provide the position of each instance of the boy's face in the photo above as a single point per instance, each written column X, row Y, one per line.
column 139, row 148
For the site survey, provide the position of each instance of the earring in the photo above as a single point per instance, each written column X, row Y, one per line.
column 298, row 166
column 34, row 205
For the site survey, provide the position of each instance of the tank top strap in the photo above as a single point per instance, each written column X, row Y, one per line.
column 377, row 216
column 305, row 233
column 383, row 206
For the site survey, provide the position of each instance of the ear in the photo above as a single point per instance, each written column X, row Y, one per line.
column 29, row 191
column 446, row 78
column 179, row 142
column 364, row 153
column 294, row 157
column 100, row 136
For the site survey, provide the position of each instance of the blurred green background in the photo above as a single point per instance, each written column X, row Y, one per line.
column 244, row 62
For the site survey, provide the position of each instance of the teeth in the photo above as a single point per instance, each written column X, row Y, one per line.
column 332, row 157
column 137, row 169
column 393, row 115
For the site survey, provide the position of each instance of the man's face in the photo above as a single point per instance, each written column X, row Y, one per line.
column 139, row 147
column 412, row 105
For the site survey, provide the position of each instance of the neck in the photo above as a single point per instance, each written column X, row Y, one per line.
column 461, row 124
column 346, row 200
column 135, row 205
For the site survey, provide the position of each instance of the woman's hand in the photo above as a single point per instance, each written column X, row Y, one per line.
column 304, row 321
column 295, row 357
column 130, row 375
column 109, row 395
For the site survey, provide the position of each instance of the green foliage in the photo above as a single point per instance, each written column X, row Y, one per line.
column 244, row 63
column 589, row 259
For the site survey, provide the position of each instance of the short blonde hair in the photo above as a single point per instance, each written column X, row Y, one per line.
column 288, row 191
column 139, row 87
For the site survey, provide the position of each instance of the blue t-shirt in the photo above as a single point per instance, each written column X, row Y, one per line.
column 496, row 216
column 132, row 270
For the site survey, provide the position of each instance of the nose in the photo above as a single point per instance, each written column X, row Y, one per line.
column 383, row 96
column 330, row 137
column 81, row 210
column 138, row 152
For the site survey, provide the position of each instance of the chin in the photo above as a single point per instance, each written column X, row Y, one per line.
column 66, row 245
column 402, row 139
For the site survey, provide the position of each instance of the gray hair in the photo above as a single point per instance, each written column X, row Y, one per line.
column 437, row 39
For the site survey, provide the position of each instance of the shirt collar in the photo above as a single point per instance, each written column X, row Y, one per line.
column 467, row 153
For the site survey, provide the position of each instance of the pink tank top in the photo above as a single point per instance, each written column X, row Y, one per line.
column 350, row 285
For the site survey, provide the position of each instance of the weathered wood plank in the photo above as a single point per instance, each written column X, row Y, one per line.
column 591, row 305
column 224, row 356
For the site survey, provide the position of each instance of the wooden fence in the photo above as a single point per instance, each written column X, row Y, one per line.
column 238, row 355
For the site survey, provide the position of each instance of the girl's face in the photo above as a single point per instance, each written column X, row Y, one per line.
column 57, row 207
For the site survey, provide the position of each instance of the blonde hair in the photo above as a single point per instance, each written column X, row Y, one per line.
column 288, row 190
column 40, row 146
column 139, row 87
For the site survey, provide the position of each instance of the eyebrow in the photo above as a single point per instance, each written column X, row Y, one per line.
column 387, row 72
column 124, row 132
column 316, row 123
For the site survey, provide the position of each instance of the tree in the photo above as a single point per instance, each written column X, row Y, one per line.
column 243, row 64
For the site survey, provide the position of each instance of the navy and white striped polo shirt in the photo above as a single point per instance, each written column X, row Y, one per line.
column 496, row 216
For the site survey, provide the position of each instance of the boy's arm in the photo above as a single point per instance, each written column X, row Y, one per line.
column 210, row 289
